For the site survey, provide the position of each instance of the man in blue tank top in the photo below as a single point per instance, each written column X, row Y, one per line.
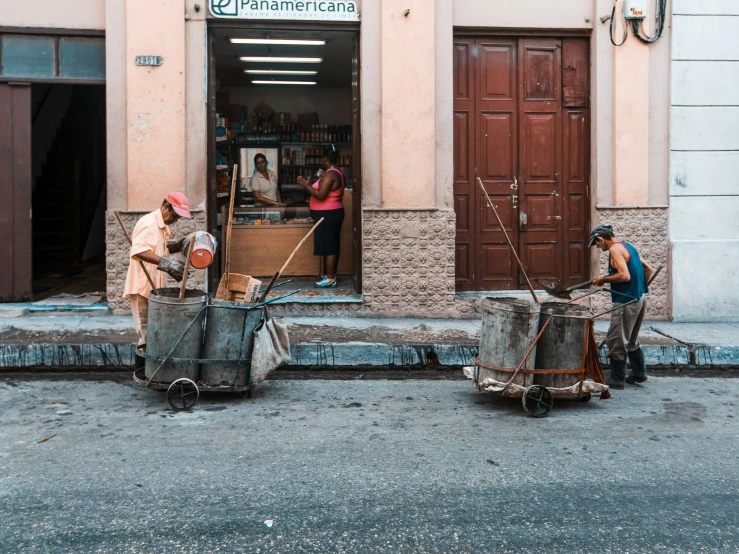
column 628, row 275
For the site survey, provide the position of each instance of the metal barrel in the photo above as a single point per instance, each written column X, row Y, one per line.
column 229, row 335
column 562, row 344
column 169, row 319
column 509, row 328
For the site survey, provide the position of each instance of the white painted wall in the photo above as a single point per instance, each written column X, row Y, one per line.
column 704, row 159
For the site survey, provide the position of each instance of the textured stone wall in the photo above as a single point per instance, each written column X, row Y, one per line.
column 117, row 258
column 407, row 267
column 646, row 229
column 408, row 262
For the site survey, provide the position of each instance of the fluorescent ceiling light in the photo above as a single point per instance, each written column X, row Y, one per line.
column 283, row 82
column 288, row 41
column 279, row 72
column 279, row 59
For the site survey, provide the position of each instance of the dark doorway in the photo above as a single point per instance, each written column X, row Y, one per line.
column 68, row 168
column 522, row 125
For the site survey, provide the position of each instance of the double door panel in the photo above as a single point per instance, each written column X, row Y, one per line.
column 515, row 131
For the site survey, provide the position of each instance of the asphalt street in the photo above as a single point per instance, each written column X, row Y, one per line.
column 368, row 466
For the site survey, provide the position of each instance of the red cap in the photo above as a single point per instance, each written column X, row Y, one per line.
column 179, row 204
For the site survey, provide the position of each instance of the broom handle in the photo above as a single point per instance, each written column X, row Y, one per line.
column 128, row 238
column 305, row 238
column 510, row 244
column 230, row 221
column 187, row 266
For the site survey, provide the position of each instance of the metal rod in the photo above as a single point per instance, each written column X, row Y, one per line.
column 285, row 282
column 510, row 244
column 128, row 238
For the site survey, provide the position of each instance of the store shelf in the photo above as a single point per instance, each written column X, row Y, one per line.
column 222, row 140
column 284, row 166
column 316, row 143
column 221, row 167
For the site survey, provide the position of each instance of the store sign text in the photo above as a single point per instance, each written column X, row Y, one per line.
column 324, row 10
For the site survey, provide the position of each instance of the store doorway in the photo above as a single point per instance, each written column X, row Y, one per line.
column 522, row 125
column 288, row 95
column 68, row 175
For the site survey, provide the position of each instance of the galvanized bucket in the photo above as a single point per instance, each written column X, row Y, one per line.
column 170, row 319
column 509, row 328
column 562, row 344
column 229, row 335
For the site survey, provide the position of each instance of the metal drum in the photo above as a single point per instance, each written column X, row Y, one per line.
column 562, row 344
column 170, row 317
column 229, row 335
column 509, row 328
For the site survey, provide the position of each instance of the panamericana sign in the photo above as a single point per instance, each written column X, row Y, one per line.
column 314, row 10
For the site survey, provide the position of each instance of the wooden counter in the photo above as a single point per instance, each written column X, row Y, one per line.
column 260, row 250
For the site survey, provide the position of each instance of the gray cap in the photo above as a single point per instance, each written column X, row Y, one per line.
column 600, row 230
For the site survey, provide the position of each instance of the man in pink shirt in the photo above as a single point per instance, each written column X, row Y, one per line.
column 149, row 245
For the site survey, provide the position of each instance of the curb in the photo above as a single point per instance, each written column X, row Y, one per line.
column 106, row 356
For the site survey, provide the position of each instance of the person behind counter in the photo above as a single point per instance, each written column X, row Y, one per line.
column 327, row 202
column 264, row 183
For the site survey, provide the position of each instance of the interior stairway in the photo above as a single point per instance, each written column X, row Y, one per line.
column 59, row 211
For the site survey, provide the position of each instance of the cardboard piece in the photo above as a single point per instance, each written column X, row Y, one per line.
column 283, row 118
column 264, row 112
column 241, row 288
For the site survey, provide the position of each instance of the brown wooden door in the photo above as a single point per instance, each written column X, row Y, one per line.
column 465, row 189
column 521, row 126
column 16, row 276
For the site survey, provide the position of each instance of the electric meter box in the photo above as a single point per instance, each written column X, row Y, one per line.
column 635, row 9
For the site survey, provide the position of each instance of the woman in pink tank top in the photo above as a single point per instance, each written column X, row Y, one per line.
column 327, row 202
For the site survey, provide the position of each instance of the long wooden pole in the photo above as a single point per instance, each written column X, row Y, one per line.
column 284, row 266
column 128, row 238
column 510, row 244
column 187, row 266
column 230, row 222
column 305, row 238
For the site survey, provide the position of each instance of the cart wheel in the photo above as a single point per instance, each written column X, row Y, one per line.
column 183, row 394
column 586, row 397
column 537, row 401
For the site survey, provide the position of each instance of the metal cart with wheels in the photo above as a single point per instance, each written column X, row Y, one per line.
column 184, row 392
column 537, row 399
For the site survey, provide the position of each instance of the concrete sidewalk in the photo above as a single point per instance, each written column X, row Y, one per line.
column 106, row 342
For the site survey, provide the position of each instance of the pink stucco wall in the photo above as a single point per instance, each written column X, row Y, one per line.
column 155, row 102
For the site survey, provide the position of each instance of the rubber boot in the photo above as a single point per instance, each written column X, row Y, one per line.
column 638, row 367
column 618, row 371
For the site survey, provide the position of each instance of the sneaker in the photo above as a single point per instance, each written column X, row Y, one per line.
column 326, row 283
column 632, row 379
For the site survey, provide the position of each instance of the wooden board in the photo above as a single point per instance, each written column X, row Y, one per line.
column 262, row 249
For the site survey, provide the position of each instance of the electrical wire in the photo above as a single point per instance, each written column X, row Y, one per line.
column 659, row 24
column 637, row 25
column 626, row 29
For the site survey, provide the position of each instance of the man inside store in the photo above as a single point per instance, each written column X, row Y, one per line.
column 149, row 245
column 628, row 275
